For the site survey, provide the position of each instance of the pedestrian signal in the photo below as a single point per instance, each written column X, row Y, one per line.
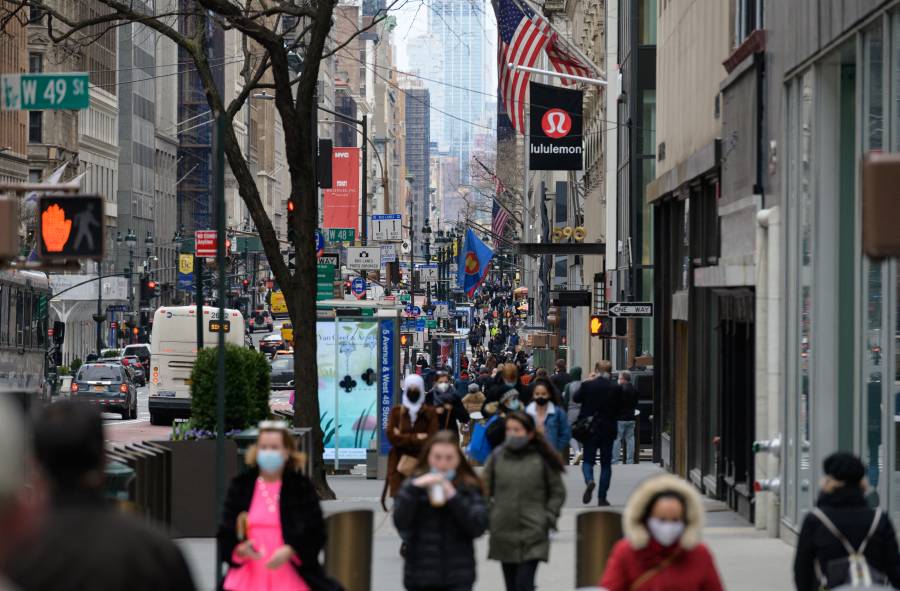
column 70, row 227
column 600, row 326
column 406, row 339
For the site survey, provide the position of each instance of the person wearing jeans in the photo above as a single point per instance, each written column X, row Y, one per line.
column 627, row 420
column 600, row 398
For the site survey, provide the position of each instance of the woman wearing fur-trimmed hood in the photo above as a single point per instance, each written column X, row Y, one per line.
column 662, row 551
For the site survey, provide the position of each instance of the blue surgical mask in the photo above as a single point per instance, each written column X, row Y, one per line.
column 510, row 384
column 269, row 460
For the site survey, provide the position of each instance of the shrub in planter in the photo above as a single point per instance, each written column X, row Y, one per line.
column 75, row 365
column 242, row 382
column 259, row 375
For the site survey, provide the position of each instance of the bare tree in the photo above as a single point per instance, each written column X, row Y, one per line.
column 277, row 31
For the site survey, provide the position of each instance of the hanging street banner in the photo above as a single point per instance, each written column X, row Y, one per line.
column 556, row 128
column 341, row 201
column 186, row 272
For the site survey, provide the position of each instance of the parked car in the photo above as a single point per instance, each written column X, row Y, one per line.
column 107, row 386
column 260, row 319
column 142, row 351
column 270, row 344
column 282, row 372
column 137, row 369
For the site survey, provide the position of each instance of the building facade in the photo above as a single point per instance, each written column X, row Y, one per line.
column 418, row 159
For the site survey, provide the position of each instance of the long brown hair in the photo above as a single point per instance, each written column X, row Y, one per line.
column 538, row 441
column 464, row 472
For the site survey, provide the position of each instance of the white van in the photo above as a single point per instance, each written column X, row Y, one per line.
column 173, row 350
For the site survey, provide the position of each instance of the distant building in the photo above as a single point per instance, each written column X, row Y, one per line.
column 418, row 143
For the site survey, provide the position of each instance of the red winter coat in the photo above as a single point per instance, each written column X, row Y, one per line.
column 693, row 569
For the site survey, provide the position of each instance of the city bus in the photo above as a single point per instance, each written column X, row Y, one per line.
column 277, row 305
column 173, row 350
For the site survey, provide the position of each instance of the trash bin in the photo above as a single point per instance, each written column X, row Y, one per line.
column 596, row 534
column 348, row 551
column 118, row 479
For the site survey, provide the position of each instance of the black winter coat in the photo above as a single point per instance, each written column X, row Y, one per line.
column 601, row 398
column 302, row 524
column 440, row 548
column 629, row 402
column 85, row 543
column 448, row 418
column 848, row 510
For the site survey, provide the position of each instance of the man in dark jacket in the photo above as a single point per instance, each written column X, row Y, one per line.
column 86, row 543
column 561, row 377
column 600, row 398
column 843, row 504
column 627, row 420
column 447, row 403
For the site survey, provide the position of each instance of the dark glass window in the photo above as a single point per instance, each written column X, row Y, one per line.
column 36, row 127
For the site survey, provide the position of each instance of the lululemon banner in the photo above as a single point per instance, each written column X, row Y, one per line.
column 556, row 136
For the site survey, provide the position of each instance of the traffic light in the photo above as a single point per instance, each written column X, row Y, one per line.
column 244, row 285
column 70, row 227
column 291, row 213
column 406, row 339
column 149, row 289
column 600, row 326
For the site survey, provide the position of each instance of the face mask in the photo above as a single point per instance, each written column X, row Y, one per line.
column 517, row 442
column 449, row 475
column 442, row 387
column 541, row 401
column 510, row 384
column 665, row 532
column 413, row 395
column 514, row 405
column 269, row 460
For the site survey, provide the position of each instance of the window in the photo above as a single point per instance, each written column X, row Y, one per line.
column 35, row 127
column 35, row 15
column 35, row 62
column 34, row 175
column 748, row 16
column 647, row 22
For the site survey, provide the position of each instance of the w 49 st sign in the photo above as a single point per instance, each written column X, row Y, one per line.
column 44, row 91
column 70, row 227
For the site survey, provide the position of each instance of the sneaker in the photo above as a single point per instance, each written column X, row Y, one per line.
column 588, row 493
column 602, row 502
column 578, row 458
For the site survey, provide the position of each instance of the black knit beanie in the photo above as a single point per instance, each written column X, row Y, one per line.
column 845, row 467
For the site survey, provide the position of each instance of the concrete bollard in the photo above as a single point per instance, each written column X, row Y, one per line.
column 348, row 551
column 596, row 533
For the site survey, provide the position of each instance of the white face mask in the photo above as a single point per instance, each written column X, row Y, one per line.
column 665, row 532
column 442, row 387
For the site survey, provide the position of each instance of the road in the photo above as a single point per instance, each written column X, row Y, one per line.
column 140, row 429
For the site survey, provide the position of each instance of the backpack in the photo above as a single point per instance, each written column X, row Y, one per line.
column 479, row 447
column 853, row 570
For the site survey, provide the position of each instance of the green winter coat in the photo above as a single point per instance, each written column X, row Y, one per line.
column 526, row 497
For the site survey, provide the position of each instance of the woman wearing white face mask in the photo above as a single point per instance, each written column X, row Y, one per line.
column 447, row 403
column 662, row 549
column 272, row 527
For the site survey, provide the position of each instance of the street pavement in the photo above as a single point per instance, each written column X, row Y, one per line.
column 746, row 559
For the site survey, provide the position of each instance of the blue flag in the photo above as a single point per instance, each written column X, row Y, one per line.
column 474, row 263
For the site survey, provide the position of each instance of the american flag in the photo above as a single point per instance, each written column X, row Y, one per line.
column 564, row 62
column 500, row 217
column 523, row 35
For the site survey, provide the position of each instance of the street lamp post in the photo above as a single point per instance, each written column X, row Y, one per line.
column 131, row 241
column 427, row 232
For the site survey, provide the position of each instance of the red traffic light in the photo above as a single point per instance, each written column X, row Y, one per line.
column 290, row 205
column 151, row 284
column 245, row 282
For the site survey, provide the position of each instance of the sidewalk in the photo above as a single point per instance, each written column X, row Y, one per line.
column 746, row 559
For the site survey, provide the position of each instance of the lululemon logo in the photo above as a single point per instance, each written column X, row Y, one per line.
column 556, row 123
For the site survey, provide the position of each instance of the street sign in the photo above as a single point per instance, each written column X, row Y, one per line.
column 431, row 324
column 205, row 243
column 341, row 234
column 387, row 226
column 330, row 258
column 70, row 227
column 631, row 309
column 320, row 243
column 428, row 272
column 358, row 287
column 441, row 310
column 405, row 247
column 364, row 258
column 404, row 297
column 324, row 281
column 420, row 324
column 388, row 253
column 44, row 91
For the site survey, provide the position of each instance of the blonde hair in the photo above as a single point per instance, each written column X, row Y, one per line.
column 296, row 459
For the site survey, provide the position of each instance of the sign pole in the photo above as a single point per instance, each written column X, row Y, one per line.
column 219, row 156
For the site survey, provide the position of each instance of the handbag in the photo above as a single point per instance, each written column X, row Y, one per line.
column 581, row 429
column 407, row 464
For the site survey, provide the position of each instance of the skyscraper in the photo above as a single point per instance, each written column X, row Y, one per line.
column 418, row 155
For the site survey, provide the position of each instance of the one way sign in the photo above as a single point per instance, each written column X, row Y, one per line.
column 631, row 309
column 363, row 258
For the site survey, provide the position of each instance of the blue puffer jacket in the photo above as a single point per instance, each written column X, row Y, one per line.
column 557, row 430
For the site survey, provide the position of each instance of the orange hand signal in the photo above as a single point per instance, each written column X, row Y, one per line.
column 55, row 228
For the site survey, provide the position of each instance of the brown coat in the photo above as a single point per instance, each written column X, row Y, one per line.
column 404, row 439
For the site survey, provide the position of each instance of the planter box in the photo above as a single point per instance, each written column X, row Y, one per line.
column 193, row 477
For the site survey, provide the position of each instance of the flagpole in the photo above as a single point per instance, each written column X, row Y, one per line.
column 526, row 197
column 569, row 44
column 594, row 81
